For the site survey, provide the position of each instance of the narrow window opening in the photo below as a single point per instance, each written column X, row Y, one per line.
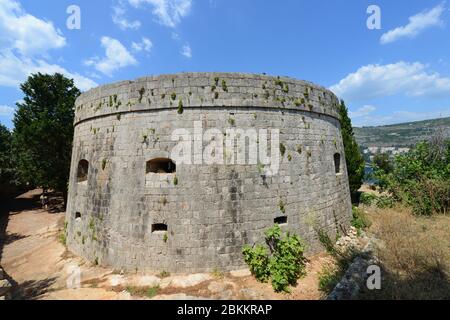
column 83, row 170
column 77, row 216
column 281, row 220
column 162, row 166
column 159, row 227
column 337, row 163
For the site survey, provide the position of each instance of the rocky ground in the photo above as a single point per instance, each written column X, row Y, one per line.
column 39, row 267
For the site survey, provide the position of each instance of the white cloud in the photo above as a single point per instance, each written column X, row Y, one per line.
column 377, row 81
column 168, row 12
column 116, row 57
column 7, row 111
column 26, row 33
column 15, row 70
column 25, row 42
column 118, row 17
column 146, row 45
column 417, row 24
column 362, row 112
column 186, row 51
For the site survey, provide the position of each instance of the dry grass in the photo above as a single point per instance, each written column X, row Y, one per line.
column 414, row 253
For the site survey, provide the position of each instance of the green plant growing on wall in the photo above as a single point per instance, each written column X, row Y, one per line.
column 141, row 94
column 165, row 238
column 309, row 154
column 216, row 81
column 283, row 262
column 299, row 149
column 281, row 206
column 224, row 86
column 104, row 162
column 175, row 181
column 180, row 107
column 282, row 149
column 213, row 88
column 286, row 88
column 163, row 201
column 173, row 96
column 216, row 95
column 111, row 101
column 119, row 116
column 231, row 121
column 163, row 96
column 289, row 157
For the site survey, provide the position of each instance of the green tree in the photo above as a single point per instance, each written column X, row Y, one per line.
column 9, row 182
column 43, row 133
column 382, row 161
column 353, row 156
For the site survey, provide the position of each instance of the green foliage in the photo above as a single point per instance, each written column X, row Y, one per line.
column 258, row 260
column 224, row 86
column 282, row 149
column 384, row 202
column 164, row 274
column 353, row 156
column 285, row 263
column 382, row 161
column 329, row 277
column 104, row 162
column 9, row 178
column 175, row 181
column 141, row 94
column 165, row 238
column 368, row 198
column 173, row 96
column 43, row 134
column 359, row 220
column 63, row 238
column 180, row 107
column 281, row 206
column 231, row 121
column 420, row 178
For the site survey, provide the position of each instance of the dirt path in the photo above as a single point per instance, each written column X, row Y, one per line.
column 39, row 266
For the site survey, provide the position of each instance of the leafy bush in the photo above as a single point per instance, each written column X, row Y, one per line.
column 420, row 178
column 367, row 198
column 359, row 221
column 285, row 263
column 258, row 260
column 384, row 202
column 329, row 277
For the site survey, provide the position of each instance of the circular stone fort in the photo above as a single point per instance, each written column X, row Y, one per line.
column 134, row 206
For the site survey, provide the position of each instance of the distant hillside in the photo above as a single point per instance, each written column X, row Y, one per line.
column 400, row 135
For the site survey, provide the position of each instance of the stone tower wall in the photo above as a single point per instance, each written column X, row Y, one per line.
column 210, row 211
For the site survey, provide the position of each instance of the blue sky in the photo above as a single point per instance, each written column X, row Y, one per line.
column 396, row 74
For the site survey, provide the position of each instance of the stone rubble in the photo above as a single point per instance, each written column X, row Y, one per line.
column 5, row 286
column 356, row 275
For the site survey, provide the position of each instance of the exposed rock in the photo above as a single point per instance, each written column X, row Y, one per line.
column 179, row 296
column 185, row 281
column 250, row 294
column 144, row 281
column 216, row 287
column 241, row 273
